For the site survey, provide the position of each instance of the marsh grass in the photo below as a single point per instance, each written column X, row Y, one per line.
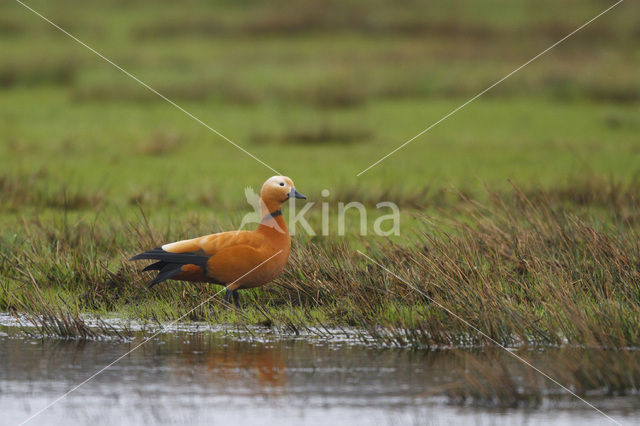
column 37, row 190
column 551, row 269
column 492, row 378
column 160, row 144
column 517, row 267
column 304, row 18
column 39, row 317
column 39, row 72
column 325, row 133
column 616, row 198
column 420, row 56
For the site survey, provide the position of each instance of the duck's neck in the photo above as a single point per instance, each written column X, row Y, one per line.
column 272, row 219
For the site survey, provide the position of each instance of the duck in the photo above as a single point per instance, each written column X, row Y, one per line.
column 237, row 260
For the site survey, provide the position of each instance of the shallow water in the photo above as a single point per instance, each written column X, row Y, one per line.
column 187, row 377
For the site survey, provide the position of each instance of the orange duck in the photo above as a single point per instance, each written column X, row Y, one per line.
column 234, row 259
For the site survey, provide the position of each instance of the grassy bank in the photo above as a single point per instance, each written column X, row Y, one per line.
column 524, row 268
column 95, row 168
column 553, row 274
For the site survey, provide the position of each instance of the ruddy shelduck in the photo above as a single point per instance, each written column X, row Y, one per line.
column 234, row 259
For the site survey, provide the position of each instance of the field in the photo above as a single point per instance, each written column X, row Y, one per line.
column 520, row 213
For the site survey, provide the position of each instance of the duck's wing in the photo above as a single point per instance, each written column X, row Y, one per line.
column 190, row 257
column 171, row 263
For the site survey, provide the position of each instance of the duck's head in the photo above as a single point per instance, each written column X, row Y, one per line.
column 277, row 190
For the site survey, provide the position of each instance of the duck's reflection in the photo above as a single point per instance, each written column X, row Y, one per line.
column 229, row 360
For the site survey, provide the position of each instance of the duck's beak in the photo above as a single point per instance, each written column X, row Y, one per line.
column 295, row 194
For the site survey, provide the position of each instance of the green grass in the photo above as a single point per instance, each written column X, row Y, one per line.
column 532, row 142
column 320, row 93
column 317, row 94
column 526, row 269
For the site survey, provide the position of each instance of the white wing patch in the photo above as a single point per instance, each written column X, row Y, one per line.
column 167, row 247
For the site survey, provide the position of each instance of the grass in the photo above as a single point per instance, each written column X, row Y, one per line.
column 521, row 269
column 519, row 213
column 492, row 378
column 302, row 102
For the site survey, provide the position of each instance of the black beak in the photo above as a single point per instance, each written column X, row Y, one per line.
column 295, row 194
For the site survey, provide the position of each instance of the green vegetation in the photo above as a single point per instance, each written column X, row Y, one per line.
column 317, row 92
column 520, row 269
column 519, row 213
column 96, row 168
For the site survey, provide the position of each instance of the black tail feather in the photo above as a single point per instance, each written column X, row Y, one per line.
column 165, row 273
column 170, row 264
column 155, row 266
column 166, row 256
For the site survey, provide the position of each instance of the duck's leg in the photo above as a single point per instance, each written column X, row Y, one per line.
column 227, row 296
column 236, row 297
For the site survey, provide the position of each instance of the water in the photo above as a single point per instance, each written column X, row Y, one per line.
column 187, row 377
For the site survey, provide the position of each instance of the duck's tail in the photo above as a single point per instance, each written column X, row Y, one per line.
column 170, row 264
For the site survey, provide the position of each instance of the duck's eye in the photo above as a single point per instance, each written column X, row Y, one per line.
column 281, row 183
